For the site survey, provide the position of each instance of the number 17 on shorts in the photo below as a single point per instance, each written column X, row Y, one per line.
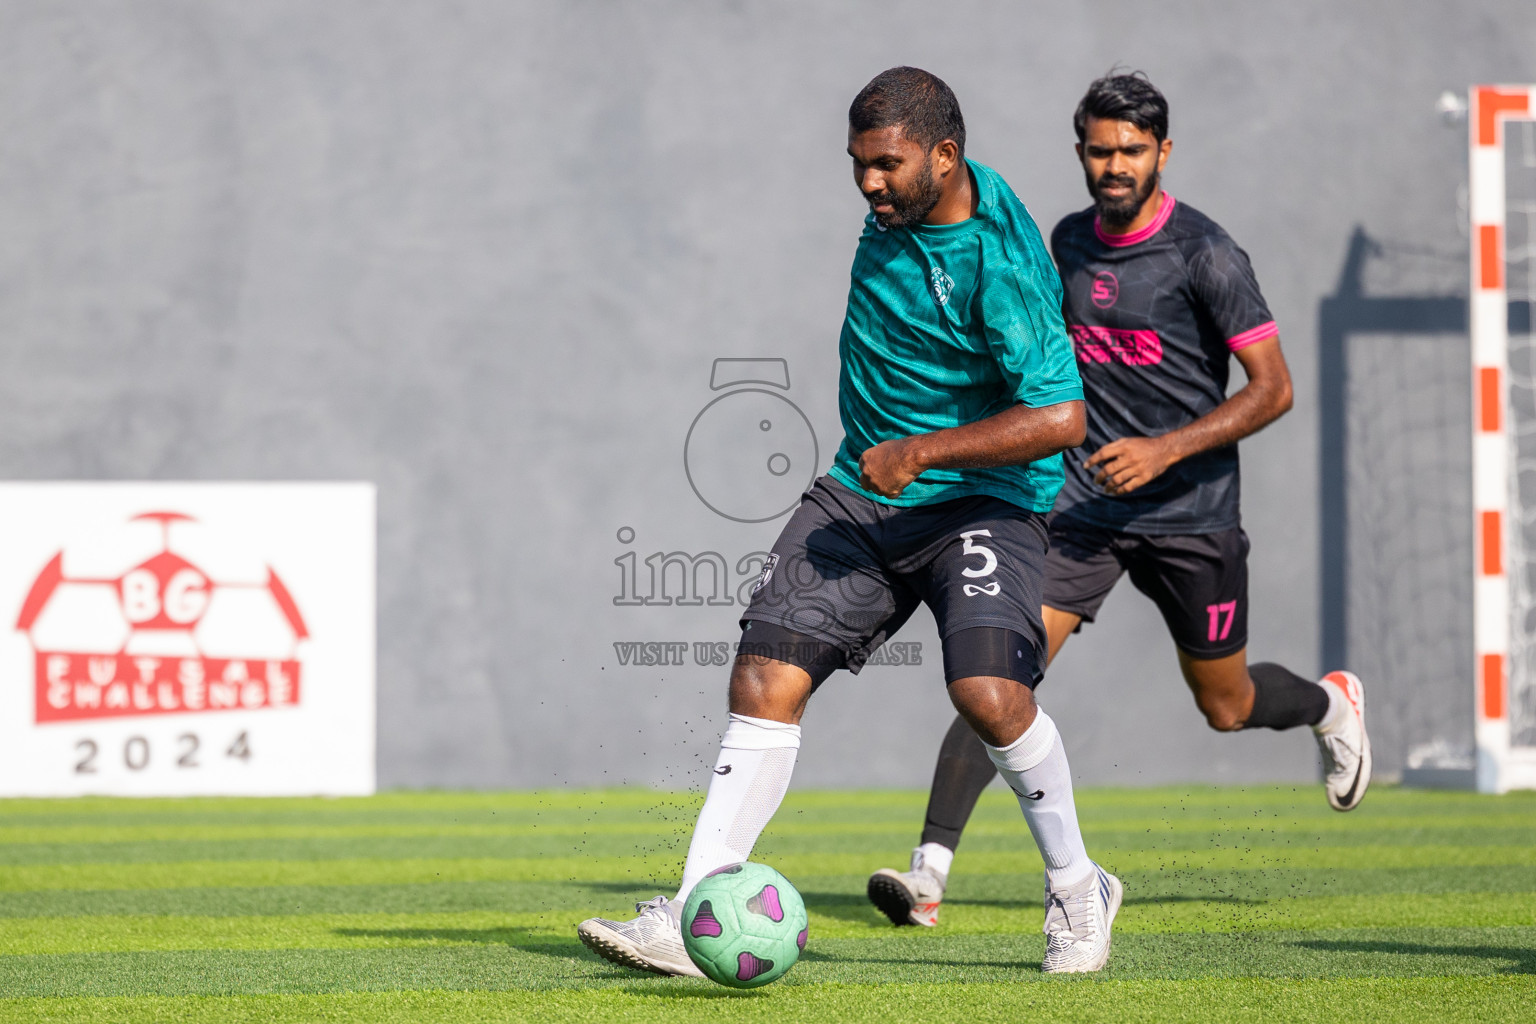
column 1221, row 616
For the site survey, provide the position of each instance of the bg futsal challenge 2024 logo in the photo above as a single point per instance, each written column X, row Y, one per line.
column 160, row 637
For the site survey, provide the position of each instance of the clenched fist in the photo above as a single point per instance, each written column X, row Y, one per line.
column 888, row 467
column 1128, row 463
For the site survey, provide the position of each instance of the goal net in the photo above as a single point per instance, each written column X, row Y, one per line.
column 1429, row 475
column 1520, row 284
column 1398, row 534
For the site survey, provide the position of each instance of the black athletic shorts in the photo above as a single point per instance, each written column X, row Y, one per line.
column 849, row 571
column 1198, row 581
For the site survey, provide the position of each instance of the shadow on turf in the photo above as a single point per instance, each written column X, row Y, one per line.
column 1145, row 901
column 1523, row 961
column 525, row 940
column 842, row 905
column 693, row 993
column 858, row 909
column 629, row 887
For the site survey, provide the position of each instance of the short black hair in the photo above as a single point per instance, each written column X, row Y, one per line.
column 1124, row 97
column 919, row 102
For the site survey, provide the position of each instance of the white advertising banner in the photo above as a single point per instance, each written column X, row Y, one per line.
column 172, row 639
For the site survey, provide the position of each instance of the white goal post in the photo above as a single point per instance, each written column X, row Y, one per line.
column 1503, row 646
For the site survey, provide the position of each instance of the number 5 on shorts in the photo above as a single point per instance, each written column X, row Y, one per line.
column 988, row 566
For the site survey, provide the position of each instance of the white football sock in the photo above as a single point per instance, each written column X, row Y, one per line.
column 751, row 776
column 1035, row 767
column 934, row 857
column 1338, row 707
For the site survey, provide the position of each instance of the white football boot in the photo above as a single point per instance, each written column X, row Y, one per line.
column 651, row 942
column 1077, row 923
column 909, row 897
column 1342, row 738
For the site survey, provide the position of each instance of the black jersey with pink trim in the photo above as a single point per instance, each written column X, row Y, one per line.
column 1155, row 316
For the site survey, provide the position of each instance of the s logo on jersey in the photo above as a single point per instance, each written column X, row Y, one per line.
column 1106, row 289
column 943, row 285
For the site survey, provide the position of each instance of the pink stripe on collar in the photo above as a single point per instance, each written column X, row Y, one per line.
column 1163, row 213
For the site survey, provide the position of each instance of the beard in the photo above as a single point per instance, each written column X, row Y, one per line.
column 910, row 205
column 1117, row 213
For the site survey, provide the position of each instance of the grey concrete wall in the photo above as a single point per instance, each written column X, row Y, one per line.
column 485, row 254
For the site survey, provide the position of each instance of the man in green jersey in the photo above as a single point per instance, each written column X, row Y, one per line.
column 958, row 392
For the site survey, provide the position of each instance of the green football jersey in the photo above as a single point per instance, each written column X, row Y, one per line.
column 949, row 324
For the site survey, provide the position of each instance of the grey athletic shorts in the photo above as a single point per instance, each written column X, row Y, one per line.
column 849, row 571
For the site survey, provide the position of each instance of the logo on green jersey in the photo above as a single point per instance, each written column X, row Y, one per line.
column 942, row 286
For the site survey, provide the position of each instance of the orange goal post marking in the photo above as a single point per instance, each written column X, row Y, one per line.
column 1499, row 767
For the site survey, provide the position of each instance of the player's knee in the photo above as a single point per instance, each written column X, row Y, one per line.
column 776, row 670
column 978, row 700
column 999, row 710
column 1221, row 689
column 757, row 683
column 990, row 672
column 1221, row 713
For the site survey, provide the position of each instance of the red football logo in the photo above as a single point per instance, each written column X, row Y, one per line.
column 159, row 638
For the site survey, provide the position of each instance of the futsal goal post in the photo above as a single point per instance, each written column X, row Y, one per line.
column 1502, row 208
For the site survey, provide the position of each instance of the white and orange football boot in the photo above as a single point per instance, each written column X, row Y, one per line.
column 909, row 897
column 1343, row 741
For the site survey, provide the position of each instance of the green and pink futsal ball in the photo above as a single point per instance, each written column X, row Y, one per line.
column 744, row 925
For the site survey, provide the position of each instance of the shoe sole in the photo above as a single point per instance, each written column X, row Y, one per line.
column 892, row 898
column 1363, row 773
column 618, row 951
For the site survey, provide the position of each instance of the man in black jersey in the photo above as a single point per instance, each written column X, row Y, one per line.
column 1158, row 299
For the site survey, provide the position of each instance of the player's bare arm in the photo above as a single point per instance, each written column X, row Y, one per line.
column 1014, row 437
column 1132, row 462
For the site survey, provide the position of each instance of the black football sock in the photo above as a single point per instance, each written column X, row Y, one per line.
column 962, row 772
column 1284, row 700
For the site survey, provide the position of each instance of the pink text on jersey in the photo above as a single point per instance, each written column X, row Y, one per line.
column 1108, row 344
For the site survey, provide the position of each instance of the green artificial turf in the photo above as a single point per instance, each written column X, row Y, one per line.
column 1241, row 904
